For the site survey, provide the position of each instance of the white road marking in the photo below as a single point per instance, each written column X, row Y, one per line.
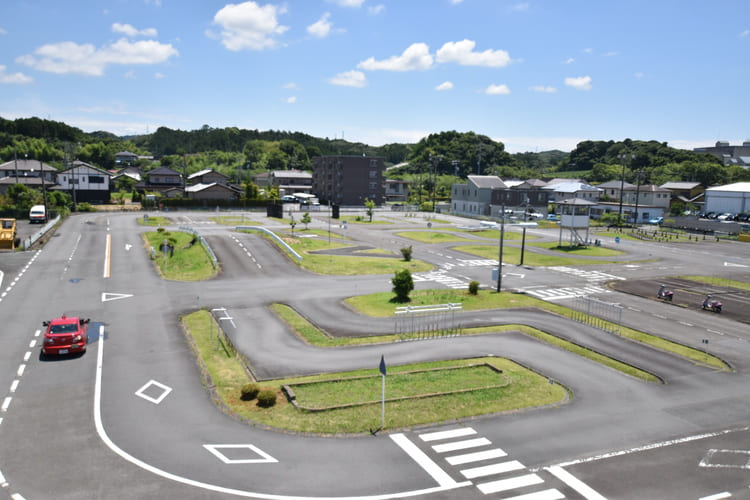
column 21, row 369
column 551, row 494
column 509, row 484
column 211, row 487
column 6, row 404
column 489, row 470
column 17, row 496
column 3, row 482
column 114, row 296
column 461, row 445
column 652, row 446
column 566, row 477
column 165, row 390
column 14, row 385
column 27, row 356
column 434, row 436
column 32, row 344
column 265, row 458
column 438, row 474
column 717, row 496
column 475, row 457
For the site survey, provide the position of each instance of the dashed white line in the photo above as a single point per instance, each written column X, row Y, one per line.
column 3, row 482
column 14, row 386
column 683, row 323
column 27, row 356
column 717, row 496
column 6, row 404
column 32, row 344
column 21, row 369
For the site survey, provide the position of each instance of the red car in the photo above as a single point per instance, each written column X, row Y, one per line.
column 65, row 335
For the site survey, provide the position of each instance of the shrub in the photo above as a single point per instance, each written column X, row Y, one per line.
column 248, row 392
column 406, row 252
column 403, row 284
column 266, row 398
column 160, row 229
column 474, row 287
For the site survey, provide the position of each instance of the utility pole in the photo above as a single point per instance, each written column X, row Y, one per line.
column 500, row 257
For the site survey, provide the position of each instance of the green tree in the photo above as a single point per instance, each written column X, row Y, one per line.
column 403, row 284
column 370, row 205
column 306, row 219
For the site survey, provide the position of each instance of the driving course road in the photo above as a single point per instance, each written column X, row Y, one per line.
column 130, row 418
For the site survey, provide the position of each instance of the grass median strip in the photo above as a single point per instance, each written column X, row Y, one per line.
column 419, row 393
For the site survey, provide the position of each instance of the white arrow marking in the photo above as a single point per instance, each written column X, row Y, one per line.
column 128, row 246
column 114, row 296
column 732, row 264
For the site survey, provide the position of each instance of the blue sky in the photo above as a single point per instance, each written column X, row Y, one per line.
column 536, row 75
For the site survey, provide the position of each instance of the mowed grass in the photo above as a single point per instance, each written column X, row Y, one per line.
column 518, row 388
column 188, row 262
column 512, row 255
column 153, row 220
column 716, row 281
column 347, row 265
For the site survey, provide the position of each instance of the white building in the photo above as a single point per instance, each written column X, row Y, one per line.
column 734, row 198
column 85, row 183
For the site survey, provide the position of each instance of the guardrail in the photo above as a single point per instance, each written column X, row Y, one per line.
column 203, row 242
column 28, row 242
column 272, row 235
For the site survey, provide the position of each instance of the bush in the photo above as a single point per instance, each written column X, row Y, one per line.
column 266, row 398
column 248, row 392
column 474, row 287
column 406, row 252
column 403, row 284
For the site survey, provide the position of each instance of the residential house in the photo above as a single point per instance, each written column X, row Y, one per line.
column 213, row 191
column 86, row 183
column 291, row 181
column 32, row 173
column 125, row 158
column 160, row 180
column 208, row 176
column 612, row 190
column 566, row 190
column 349, row 180
column 474, row 197
column 397, row 190
column 686, row 193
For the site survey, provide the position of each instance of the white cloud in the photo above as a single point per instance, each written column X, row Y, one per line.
column 463, row 53
column 588, row 51
column 745, row 33
column 322, row 27
column 69, row 57
column 376, row 9
column 544, row 89
column 291, row 100
column 520, row 7
column 129, row 74
column 18, row 78
column 3, row 31
column 129, row 30
column 416, row 57
column 348, row 3
column 445, row 86
column 570, row 60
column 497, row 90
column 579, row 82
column 249, row 26
column 349, row 79
column 456, row 2
column 159, row 75
column 611, row 54
column 290, row 85
column 639, row 75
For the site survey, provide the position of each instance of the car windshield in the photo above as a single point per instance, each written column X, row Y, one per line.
column 64, row 328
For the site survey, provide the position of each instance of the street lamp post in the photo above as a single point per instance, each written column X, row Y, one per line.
column 637, row 193
column 500, row 256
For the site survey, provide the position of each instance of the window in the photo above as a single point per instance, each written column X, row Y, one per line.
column 96, row 179
column 373, row 185
column 373, row 173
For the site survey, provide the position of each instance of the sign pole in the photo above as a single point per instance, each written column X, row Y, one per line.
column 382, row 403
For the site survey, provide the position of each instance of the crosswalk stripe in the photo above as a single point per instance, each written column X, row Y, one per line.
column 476, row 457
column 489, row 470
column 436, row 436
column 551, row 494
column 509, row 484
column 461, row 445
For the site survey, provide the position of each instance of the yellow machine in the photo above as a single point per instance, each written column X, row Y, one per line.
column 8, row 238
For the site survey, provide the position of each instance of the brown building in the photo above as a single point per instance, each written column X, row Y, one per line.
column 349, row 180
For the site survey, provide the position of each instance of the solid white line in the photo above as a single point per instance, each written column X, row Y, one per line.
column 488, row 470
column 107, row 251
column 14, row 385
column 475, row 457
column 652, row 446
column 6, row 403
column 220, row 489
column 509, row 484
column 717, row 496
column 461, row 445
column 438, row 474
column 566, row 477
column 435, row 436
column 551, row 494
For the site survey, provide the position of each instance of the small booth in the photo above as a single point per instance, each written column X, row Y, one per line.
column 575, row 214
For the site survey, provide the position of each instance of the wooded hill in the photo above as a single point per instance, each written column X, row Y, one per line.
column 447, row 154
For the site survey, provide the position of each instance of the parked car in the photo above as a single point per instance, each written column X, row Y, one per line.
column 725, row 216
column 65, row 335
column 553, row 217
column 657, row 221
column 38, row 213
column 289, row 197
